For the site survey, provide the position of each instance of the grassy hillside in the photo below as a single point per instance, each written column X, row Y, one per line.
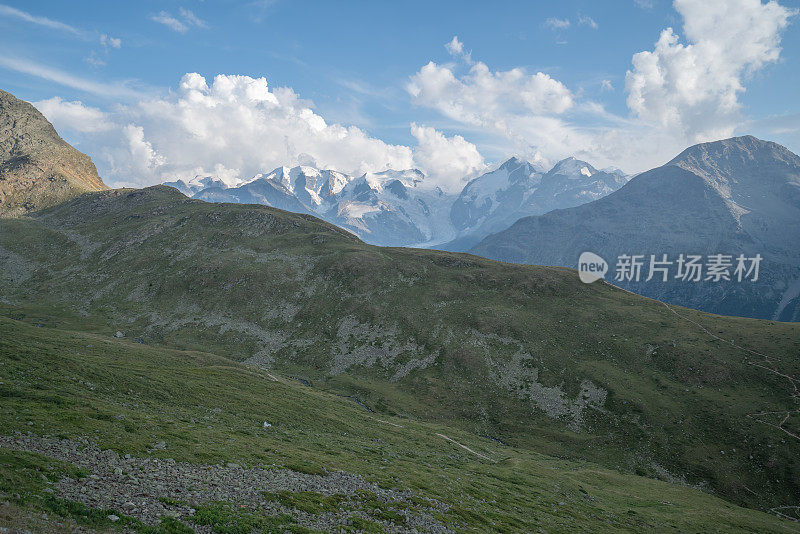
column 126, row 396
column 525, row 355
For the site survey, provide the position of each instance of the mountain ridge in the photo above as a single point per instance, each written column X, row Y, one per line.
column 398, row 208
column 37, row 167
column 736, row 196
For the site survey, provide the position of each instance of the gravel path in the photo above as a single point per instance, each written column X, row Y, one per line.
column 137, row 487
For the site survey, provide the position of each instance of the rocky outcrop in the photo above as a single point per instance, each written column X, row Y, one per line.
column 38, row 169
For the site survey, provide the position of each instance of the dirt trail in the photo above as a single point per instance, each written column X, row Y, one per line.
column 466, row 448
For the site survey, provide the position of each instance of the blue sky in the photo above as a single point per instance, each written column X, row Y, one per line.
column 361, row 64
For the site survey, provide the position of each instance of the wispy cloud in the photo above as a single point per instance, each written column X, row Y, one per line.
column 170, row 22
column 11, row 12
column 113, row 42
column 260, row 8
column 456, row 49
column 52, row 74
column 181, row 23
column 587, row 21
column 192, row 19
column 44, row 22
column 557, row 24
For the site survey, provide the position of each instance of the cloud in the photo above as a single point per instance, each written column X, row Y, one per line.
column 170, row 22
column 451, row 160
column 192, row 19
column 32, row 68
column 237, row 122
column 456, row 49
column 8, row 11
column 679, row 93
column 74, row 116
column 180, row 24
column 587, row 21
column 11, row 12
column 485, row 98
column 557, row 24
column 94, row 60
column 692, row 88
column 112, row 42
column 238, row 126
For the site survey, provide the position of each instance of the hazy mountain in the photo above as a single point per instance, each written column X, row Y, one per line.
column 495, row 200
column 731, row 197
column 196, row 184
column 37, row 167
column 572, row 182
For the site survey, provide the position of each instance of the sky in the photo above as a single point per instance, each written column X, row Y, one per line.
column 156, row 91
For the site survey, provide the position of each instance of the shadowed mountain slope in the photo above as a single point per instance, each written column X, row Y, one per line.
column 732, row 197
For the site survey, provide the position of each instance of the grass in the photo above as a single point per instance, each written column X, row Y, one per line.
column 209, row 409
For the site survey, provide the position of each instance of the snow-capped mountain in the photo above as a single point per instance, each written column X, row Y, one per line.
column 495, row 200
column 400, row 208
column 386, row 208
column 394, row 208
column 572, row 182
column 196, row 184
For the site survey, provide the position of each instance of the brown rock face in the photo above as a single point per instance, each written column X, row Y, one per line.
column 38, row 169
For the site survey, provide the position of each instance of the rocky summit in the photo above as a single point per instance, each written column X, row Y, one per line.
column 38, row 169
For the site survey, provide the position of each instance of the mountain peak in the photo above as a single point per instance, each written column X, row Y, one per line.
column 513, row 161
column 746, row 147
column 747, row 159
column 37, row 168
column 573, row 167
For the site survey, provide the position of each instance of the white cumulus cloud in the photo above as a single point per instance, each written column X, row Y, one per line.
column 452, row 160
column 74, row 116
column 486, row 98
column 236, row 127
column 693, row 87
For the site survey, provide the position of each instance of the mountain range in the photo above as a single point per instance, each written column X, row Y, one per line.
column 494, row 201
column 737, row 197
column 166, row 332
column 399, row 208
